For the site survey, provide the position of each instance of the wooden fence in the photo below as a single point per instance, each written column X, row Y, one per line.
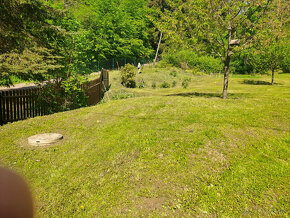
column 95, row 89
column 20, row 104
column 23, row 103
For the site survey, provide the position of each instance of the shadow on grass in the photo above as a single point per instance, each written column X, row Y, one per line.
column 209, row 95
column 197, row 94
column 257, row 82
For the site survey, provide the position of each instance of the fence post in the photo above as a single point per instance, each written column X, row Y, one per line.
column 1, row 110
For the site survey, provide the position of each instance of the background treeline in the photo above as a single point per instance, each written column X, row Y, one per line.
column 47, row 39
column 42, row 40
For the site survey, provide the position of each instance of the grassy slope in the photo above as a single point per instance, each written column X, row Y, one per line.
column 163, row 153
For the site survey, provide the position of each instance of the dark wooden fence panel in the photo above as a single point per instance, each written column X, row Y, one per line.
column 19, row 104
column 92, row 91
column 23, row 103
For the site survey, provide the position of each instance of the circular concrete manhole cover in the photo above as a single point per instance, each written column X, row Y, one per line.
column 44, row 139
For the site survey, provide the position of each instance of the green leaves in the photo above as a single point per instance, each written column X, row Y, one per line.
column 31, row 64
column 128, row 74
column 81, row 32
column 119, row 28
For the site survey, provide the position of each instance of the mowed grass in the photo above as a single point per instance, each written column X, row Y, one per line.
column 162, row 152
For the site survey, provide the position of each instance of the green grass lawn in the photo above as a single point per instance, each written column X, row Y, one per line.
column 162, row 151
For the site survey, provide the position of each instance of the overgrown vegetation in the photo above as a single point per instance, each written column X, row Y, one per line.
column 64, row 95
column 165, row 85
column 188, row 59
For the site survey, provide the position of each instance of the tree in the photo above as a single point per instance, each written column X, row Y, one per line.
column 25, row 33
column 273, row 41
column 119, row 27
column 219, row 27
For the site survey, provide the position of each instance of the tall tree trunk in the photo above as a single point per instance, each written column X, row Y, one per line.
column 227, row 62
column 226, row 77
column 273, row 72
column 155, row 59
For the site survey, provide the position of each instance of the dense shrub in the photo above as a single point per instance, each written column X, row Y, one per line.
column 209, row 64
column 187, row 59
column 64, row 95
column 185, row 82
column 153, row 85
column 128, row 74
column 285, row 66
column 165, row 85
column 248, row 63
column 174, row 83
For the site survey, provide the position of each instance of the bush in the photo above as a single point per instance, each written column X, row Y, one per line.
column 185, row 82
column 187, row 59
column 153, row 85
column 209, row 64
column 173, row 83
column 64, row 95
column 173, row 73
column 248, row 63
column 165, row 85
column 128, row 76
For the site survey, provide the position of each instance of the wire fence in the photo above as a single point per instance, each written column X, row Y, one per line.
column 116, row 64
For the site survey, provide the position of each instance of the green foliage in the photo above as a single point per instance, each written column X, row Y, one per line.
column 268, row 58
column 154, row 85
column 25, row 35
column 32, row 64
column 165, row 85
column 64, row 95
column 186, row 82
column 248, row 62
column 174, row 74
column 174, row 83
column 209, row 64
column 128, row 73
column 189, row 59
column 74, row 92
column 80, row 32
column 214, row 28
column 119, row 28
